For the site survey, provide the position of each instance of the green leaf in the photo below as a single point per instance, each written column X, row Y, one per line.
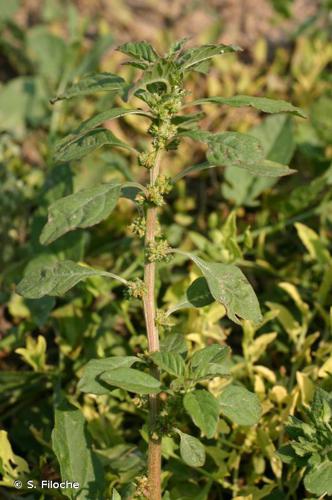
column 174, row 342
column 204, row 411
column 277, row 138
column 75, row 147
column 80, row 210
column 229, row 286
column 171, row 362
column 264, row 104
column 56, row 278
column 240, row 405
column 214, row 353
column 195, row 56
column 161, row 75
column 141, row 51
column 77, row 461
column 268, row 168
column 95, row 367
column 90, row 84
column 198, row 293
column 104, row 116
column 131, row 380
column 319, row 479
column 212, row 361
column 191, row 449
column 115, row 495
column 234, row 149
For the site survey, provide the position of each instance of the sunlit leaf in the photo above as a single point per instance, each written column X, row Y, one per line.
column 90, row 84
column 77, row 461
column 204, row 410
column 191, row 449
column 171, row 362
column 56, row 278
column 80, row 210
column 131, row 380
column 142, row 51
column 195, row 56
column 261, row 103
column 319, row 479
column 229, row 286
column 95, row 367
column 240, row 405
column 75, row 147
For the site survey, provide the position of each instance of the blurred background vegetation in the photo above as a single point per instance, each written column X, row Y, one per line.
column 279, row 232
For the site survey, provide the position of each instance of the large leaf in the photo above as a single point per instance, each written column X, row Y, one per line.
column 90, row 84
column 240, row 405
column 277, row 138
column 141, row 51
column 104, row 116
column 171, row 362
column 191, row 449
column 229, row 286
column 95, row 367
column 80, row 210
column 203, row 409
column 261, row 103
column 234, row 149
column 77, row 461
column 319, row 479
column 195, row 56
column 56, row 278
column 75, row 147
column 131, row 380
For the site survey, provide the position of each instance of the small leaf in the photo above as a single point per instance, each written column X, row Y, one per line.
column 203, row 409
column 174, row 342
column 75, row 147
column 195, row 56
column 229, row 286
column 56, row 278
column 77, row 461
column 198, row 294
column 131, row 380
column 115, row 495
column 160, row 75
column 210, row 362
column 240, row 405
column 191, row 449
column 319, row 479
column 264, row 104
column 95, row 367
column 171, row 362
column 142, row 51
column 97, row 82
column 80, row 210
column 214, row 353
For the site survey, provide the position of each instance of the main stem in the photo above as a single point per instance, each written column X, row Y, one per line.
column 154, row 453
